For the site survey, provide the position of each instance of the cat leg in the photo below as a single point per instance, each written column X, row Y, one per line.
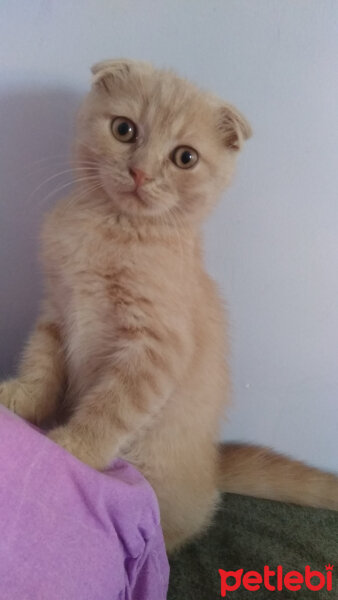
column 125, row 399
column 107, row 417
column 185, row 511
column 147, row 362
column 34, row 394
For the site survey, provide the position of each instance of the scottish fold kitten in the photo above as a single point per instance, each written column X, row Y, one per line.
column 132, row 332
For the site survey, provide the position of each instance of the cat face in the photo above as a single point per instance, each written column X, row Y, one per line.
column 159, row 145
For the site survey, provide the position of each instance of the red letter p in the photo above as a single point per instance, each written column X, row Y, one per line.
column 225, row 587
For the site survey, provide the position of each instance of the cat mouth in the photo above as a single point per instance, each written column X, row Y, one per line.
column 129, row 197
column 137, row 194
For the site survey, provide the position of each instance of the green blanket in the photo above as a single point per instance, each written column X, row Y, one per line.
column 248, row 534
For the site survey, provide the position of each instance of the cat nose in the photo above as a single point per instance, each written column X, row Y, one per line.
column 138, row 175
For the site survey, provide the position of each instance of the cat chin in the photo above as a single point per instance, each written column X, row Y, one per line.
column 132, row 204
column 136, row 203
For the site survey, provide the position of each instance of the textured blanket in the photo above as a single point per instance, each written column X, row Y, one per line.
column 68, row 532
column 251, row 534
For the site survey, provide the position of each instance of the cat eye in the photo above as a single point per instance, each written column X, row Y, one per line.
column 184, row 157
column 124, row 130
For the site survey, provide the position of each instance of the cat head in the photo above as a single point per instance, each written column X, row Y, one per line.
column 157, row 144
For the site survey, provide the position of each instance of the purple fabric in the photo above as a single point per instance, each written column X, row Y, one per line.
column 68, row 532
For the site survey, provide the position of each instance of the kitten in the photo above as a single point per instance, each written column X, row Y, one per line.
column 132, row 329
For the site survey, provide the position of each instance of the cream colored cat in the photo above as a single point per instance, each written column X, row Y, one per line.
column 132, row 330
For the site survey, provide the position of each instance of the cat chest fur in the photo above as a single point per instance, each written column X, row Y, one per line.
column 113, row 293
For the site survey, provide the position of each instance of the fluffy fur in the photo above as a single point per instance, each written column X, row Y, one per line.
column 131, row 336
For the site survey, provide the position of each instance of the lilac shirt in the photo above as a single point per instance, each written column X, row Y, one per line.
column 68, row 532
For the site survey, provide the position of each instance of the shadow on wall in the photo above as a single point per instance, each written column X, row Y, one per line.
column 36, row 130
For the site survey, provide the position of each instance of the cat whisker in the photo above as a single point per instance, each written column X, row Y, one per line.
column 56, row 175
column 85, row 192
column 69, row 168
column 54, row 157
column 63, row 161
column 70, row 183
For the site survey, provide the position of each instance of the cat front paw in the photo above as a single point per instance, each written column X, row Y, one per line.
column 76, row 444
column 13, row 395
column 6, row 393
column 19, row 398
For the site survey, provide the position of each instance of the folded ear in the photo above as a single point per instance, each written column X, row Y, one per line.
column 108, row 72
column 234, row 128
column 112, row 64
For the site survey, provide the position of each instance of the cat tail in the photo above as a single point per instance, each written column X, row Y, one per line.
column 262, row 473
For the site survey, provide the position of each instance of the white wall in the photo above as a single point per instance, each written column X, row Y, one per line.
column 272, row 244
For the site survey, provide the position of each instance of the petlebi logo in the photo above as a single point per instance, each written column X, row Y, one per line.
column 276, row 580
